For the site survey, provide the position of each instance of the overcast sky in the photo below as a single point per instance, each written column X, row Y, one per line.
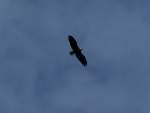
column 37, row 74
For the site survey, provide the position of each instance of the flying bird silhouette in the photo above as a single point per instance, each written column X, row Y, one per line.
column 76, row 50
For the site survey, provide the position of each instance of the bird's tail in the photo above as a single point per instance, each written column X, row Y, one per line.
column 71, row 53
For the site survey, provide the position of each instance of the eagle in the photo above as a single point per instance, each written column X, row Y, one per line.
column 77, row 51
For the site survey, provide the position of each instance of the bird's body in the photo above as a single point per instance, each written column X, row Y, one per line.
column 76, row 50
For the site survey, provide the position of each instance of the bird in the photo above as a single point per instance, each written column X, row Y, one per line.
column 76, row 50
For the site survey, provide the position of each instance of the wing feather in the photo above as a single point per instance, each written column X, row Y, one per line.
column 81, row 58
column 73, row 43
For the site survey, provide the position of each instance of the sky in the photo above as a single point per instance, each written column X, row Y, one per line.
column 37, row 74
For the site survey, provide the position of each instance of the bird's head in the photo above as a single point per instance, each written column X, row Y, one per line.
column 81, row 49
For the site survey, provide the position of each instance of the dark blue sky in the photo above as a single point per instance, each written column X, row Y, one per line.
column 37, row 74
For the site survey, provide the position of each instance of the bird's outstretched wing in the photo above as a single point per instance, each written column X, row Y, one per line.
column 73, row 43
column 81, row 58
